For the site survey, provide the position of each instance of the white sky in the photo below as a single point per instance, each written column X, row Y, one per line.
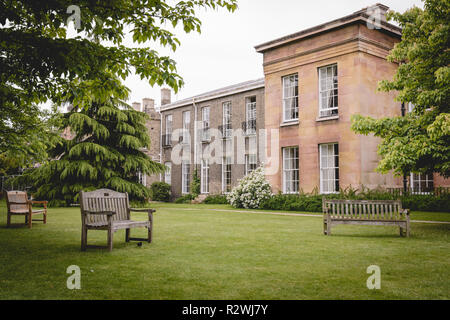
column 223, row 54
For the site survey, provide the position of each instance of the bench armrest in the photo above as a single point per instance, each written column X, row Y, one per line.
column 143, row 210
column 107, row 213
column 35, row 201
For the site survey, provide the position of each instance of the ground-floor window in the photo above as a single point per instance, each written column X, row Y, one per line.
column 251, row 163
column 290, row 170
column 205, row 176
column 226, row 174
column 185, row 176
column 329, row 168
column 168, row 173
column 142, row 177
column 422, row 182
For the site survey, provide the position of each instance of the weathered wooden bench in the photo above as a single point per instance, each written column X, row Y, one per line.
column 17, row 203
column 109, row 210
column 365, row 212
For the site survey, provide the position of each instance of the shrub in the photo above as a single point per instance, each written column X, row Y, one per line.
column 160, row 191
column 313, row 202
column 292, row 202
column 185, row 199
column 251, row 191
column 216, row 199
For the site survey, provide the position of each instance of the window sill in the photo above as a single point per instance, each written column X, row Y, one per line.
column 327, row 118
column 289, row 123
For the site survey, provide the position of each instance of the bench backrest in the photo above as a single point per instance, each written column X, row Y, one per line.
column 364, row 209
column 20, row 200
column 105, row 200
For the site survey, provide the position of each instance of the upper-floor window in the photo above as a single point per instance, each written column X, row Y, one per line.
column 205, row 124
column 290, row 97
column 226, row 121
column 186, row 126
column 167, row 139
column 328, row 91
column 250, row 115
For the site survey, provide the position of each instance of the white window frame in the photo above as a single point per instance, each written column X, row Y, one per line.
column 206, row 124
column 250, row 114
column 204, row 176
column 226, row 169
column 186, row 126
column 419, row 179
column 168, row 173
column 328, row 168
column 168, row 129
column 328, row 88
column 226, row 119
column 251, row 163
column 291, row 170
column 287, row 106
column 185, row 177
column 142, row 177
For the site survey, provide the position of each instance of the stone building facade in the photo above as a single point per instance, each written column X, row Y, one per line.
column 217, row 133
column 296, row 120
column 315, row 80
column 153, row 126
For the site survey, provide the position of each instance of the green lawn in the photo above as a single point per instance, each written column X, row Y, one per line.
column 210, row 254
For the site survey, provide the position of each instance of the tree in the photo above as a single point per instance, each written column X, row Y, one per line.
column 106, row 151
column 195, row 184
column 419, row 141
column 38, row 61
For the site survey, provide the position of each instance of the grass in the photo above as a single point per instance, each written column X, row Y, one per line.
column 206, row 254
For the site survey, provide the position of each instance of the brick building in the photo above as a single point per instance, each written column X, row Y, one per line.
column 216, row 133
column 296, row 120
column 154, row 129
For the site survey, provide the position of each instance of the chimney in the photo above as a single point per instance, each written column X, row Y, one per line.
column 377, row 11
column 165, row 96
column 148, row 105
column 136, row 106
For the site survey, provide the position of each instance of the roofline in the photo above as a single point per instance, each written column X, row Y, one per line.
column 356, row 17
column 218, row 93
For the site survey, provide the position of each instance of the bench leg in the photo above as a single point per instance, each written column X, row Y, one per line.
column 149, row 230
column 110, row 239
column 402, row 234
column 8, row 220
column 45, row 216
column 127, row 235
column 30, row 220
column 83, row 239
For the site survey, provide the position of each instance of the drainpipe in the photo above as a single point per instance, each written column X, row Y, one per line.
column 195, row 131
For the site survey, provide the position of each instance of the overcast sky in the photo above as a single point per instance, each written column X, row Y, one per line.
column 223, row 54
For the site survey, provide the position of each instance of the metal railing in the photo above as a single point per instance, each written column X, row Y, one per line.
column 249, row 127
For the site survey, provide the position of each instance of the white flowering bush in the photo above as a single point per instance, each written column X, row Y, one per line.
column 251, row 191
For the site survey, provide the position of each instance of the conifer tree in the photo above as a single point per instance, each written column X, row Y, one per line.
column 106, row 149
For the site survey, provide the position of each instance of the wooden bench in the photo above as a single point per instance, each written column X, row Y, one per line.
column 365, row 212
column 17, row 203
column 109, row 210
